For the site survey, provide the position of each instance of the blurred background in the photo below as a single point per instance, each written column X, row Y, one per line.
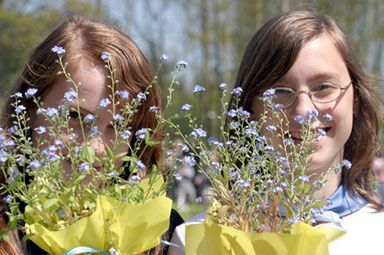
column 210, row 35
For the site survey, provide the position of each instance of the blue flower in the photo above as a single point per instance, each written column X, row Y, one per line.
column 269, row 148
column 327, row 117
column 17, row 95
column 213, row 140
column 52, row 112
column 299, row 119
column 70, row 95
column 180, row 65
column 186, row 107
column 232, row 113
column 163, row 58
column 104, row 102
column 312, row 114
column 322, row 132
column 61, row 213
column 277, row 189
column 142, row 96
column 134, row 179
column 198, row 88
column 283, row 162
column 59, row 143
column 234, row 125
column 93, row 132
column 20, row 109
column 191, row 161
column 117, row 117
column 84, row 167
column 124, row 94
column 126, row 134
column 293, row 220
column 277, row 107
column 268, row 95
column 223, row 86
column 140, row 164
column 140, row 134
column 237, row 91
column 243, row 113
column 199, row 200
column 35, row 164
column 58, row 50
column 52, row 157
column 13, row 172
column 105, row 55
column 304, row 178
column 199, row 133
column 7, row 199
column 271, row 128
column 30, row 92
column 184, row 148
column 3, row 156
column 243, row 183
column 153, row 108
column 89, row 118
column 177, row 176
column 249, row 132
column 112, row 251
column 346, row 163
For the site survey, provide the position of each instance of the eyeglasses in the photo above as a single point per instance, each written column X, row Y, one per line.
column 322, row 93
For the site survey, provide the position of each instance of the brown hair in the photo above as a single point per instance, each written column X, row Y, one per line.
column 272, row 52
column 89, row 40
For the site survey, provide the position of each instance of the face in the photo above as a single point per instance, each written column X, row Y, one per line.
column 319, row 61
column 92, row 90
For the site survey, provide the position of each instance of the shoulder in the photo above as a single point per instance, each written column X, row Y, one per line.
column 363, row 235
column 179, row 235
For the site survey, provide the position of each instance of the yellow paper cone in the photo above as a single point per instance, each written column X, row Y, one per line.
column 212, row 238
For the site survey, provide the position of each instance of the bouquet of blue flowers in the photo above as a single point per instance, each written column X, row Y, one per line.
column 62, row 195
column 263, row 196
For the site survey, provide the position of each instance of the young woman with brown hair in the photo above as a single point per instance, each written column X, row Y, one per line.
column 84, row 43
column 308, row 62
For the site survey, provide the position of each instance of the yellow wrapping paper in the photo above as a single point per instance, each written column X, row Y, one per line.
column 135, row 228
column 211, row 238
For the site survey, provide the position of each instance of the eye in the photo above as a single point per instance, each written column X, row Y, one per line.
column 323, row 87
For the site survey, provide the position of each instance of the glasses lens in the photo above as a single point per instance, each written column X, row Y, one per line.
column 284, row 96
column 325, row 92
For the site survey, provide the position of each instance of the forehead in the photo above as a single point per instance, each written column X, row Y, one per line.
column 317, row 60
column 90, row 79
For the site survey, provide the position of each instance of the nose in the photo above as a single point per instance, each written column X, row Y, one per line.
column 303, row 104
column 98, row 146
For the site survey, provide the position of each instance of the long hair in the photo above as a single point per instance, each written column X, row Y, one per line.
column 272, row 52
column 87, row 40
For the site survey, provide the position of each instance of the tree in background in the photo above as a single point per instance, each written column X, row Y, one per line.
column 23, row 24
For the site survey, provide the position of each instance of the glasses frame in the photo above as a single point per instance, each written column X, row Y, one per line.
column 309, row 93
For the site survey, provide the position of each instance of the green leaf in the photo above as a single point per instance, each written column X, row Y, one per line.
column 51, row 202
column 89, row 154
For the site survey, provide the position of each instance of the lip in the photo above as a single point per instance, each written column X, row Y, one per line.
column 295, row 134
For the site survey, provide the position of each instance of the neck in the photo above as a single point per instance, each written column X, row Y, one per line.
column 333, row 182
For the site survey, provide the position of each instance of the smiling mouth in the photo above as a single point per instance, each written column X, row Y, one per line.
column 296, row 137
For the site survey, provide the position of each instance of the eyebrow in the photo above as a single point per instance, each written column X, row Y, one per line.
column 83, row 110
column 314, row 78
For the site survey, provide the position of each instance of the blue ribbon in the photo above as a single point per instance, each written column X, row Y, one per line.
column 85, row 250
